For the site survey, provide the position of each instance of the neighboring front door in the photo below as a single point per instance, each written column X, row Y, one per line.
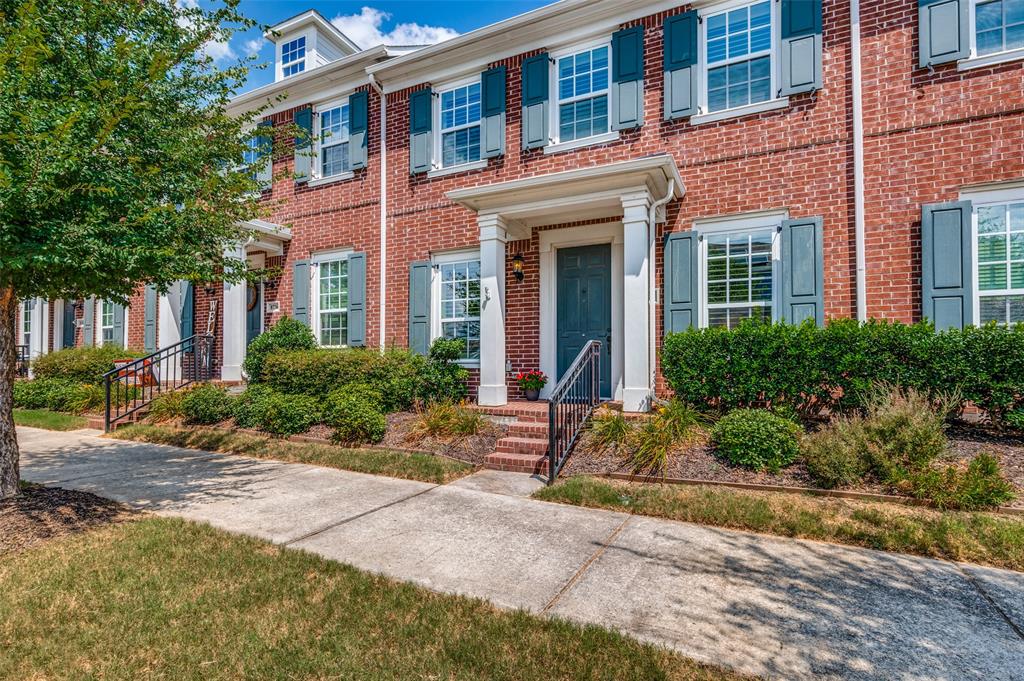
column 253, row 313
column 585, row 306
column 68, row 336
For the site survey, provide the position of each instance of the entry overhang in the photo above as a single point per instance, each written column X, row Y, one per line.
column 266, row 236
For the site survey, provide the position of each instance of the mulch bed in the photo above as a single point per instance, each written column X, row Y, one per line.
column 469, row 448
column 41, row 514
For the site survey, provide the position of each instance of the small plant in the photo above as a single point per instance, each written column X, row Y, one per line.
column 167, row 407
column 837, row 455
column 207, row 404
column 286, row 334
column 609, row 428
column 1015, row 419
column 354, row 420
column 757, row 439
column 444, row 419
column 534, row 379
column 444, row 379
column 906, row 431
column 359, row 391
column 650, row 445
column 681, row 418
column 977, row 486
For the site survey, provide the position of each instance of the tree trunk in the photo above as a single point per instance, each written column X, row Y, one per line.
column 9, row 474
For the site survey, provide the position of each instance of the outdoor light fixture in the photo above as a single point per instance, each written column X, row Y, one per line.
column 517, row 266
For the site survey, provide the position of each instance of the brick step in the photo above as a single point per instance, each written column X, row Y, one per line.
column 522, row 445
column 533, row 464
column 532, row 429
column 533, row 412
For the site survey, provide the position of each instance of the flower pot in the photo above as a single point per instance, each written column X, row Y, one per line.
column 532, row 395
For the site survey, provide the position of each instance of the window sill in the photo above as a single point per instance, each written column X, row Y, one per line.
column 340, row 177
column 770, row 105
column 452, row 170
column 584, row 142
column 990, row 59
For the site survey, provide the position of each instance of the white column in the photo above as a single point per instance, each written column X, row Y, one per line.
column 493, row 391
column 234, row 309
column 637, row 389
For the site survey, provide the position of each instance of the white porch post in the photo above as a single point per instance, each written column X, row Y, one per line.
column 493, row 391
column 637, row 392
column 234, row 308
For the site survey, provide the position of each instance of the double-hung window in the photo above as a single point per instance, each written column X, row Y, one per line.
column 998, row 26
column 331, row 300
column 106, row 322
column 581, row 80
column 1000, row 254
column 332, row 140
column 457, row 278
column 293, row 57
column 459, row 115
column 26, row 322
column 738, row 56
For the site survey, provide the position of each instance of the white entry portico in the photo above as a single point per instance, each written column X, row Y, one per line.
column 621, row 204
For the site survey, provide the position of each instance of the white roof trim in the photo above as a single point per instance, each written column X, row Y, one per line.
column 262, row 227
column 315, row 18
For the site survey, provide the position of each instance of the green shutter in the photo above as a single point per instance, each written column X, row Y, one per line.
column 419, row 307
column 300, row 291
column 801, row 46
column 535, row 74
column 357, row 300
column 492, row 122
column 947, row 272
column 265, row 140
column 303, row 155
column 680, row 64
column 943, row 31
column 187, row 301
column 680, row 281
column 803, row 271
column 628, row 78
column 421, row 123
column 150, row 299
column 119, row 325
column 88, row 323
column 359, row 118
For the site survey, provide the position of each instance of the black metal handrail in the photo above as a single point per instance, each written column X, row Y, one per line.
column 21, row 360
column 134, row 385
column 571, row 403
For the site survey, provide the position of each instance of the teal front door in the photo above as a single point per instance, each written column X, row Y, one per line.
column 585, row 307
column 253, row 312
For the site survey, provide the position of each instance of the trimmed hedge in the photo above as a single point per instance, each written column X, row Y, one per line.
column 833, row 368
column 65, row 396
column 207, row 404
column 81, row 365
column 286, row 334
column 757, row 438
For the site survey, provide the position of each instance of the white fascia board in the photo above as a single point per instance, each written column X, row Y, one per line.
column 314, row 18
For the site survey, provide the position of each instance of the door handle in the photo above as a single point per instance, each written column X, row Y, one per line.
column 608, row 340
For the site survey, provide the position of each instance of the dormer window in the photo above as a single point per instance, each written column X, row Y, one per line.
column 293, row 57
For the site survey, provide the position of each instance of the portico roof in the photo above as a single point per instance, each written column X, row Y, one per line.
column 266, row 236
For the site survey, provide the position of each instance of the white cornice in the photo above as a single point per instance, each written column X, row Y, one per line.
column 312, row 18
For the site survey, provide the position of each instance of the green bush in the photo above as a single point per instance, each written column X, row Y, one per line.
column 167, row 406
column 355, row 420
column 338, row 399
column 207, row 404
column 286, row 334
column 250, row 406
column 288, row 414
column 757, row 439
column 836, row 455
column 445, row 380
column 978, row 486
column 905, row 432
column 80, row 365
column 61, row 395
column 1015, row 419
column 38, row 393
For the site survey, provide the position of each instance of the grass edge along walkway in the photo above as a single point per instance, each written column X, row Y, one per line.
column 405, row 465
column 48, row 420
column 973, row 537
column 163, row 597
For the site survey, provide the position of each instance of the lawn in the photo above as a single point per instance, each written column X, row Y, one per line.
column 164, row 598
column 983, row 538
column 410, row 466
column 50, row 420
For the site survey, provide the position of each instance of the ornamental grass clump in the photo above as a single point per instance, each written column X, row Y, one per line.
column 609, row 428
column 650, row 444
column 444, row 419
column 757, row 439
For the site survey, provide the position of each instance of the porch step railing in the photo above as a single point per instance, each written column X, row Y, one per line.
column 21, row 360
column 571, row 403
column 132, row 386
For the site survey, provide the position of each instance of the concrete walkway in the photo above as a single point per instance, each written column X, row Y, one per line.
column 763, row 605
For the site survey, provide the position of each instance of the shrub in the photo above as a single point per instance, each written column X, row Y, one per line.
column 978, row 486
column 609, row 427
column 1015, row 419
column 167, row 406
column 206, row 404
column 837, row 455
column 286, row 334
column 444, row 419
column 287, row 414
column 356, row 421
column 250, row 406
column 80, row 365
column 61, row 395
column 340, row 398
column 37, row 393
column 757, row 439
column 445, row 380
column 905, row 432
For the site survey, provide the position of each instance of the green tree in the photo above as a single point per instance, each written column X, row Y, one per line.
column 118, row 162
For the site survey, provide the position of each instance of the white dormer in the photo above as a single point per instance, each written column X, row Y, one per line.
column 305, row 42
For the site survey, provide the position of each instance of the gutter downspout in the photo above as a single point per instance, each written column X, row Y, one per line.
column 858, row 164
column 652, row 229
column 382, row 303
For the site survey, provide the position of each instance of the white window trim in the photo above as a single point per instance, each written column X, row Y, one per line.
column 776, row 102
column 436, row 260
column 555, row 144
column 976, row 61
column 735, row 224
column 314, row 288
column 316, row 179
column 437, row 162
column 102, row 326
column 979, row 199
column 279, row 50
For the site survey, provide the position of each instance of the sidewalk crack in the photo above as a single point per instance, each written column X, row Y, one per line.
column 583, row 568
column 995, row 606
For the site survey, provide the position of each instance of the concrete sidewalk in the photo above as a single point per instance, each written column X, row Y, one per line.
column 767, row 606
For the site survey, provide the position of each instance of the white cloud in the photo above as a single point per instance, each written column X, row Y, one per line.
column 253, row 46
column 365, row 29
column 218, row 50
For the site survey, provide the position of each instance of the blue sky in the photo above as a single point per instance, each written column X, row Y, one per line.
column 370, row 21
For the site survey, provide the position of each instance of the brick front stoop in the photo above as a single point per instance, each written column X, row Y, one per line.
column 524, row 448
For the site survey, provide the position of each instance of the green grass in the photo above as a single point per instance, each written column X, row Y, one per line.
column 50, row 420
column 422, row 467
column 983, row 538
column 164, row 598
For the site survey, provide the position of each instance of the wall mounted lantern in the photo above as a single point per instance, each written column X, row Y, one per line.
column 517, row 266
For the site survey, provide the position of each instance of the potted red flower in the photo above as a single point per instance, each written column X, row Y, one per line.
column 530, row 382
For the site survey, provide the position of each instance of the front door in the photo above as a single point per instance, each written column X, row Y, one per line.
column 68, row 336
column 253, row 312
column 585, row 307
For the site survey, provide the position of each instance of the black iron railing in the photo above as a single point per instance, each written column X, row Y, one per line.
column 132, row 386
column 21, row 360
column 571, row 404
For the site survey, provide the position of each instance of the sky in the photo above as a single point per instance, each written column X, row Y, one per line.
column 368, row 23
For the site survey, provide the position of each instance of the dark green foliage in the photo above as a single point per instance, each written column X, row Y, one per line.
column 250, row 406
column 286, row 334
column 61, row 395
column 167, row 407
column 354, row 420
column 1015, row 419
column 339, row 399
column 756, row 438
column 37, row 393
column 207, row 404
column 444, row 378
column 980, row 485
column 288, row 414
column 80, row 365
column 813, row 370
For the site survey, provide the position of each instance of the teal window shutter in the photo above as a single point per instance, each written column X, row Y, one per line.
column 943, row 31
column 300, row 291
column 88, row 323
column 947, row 272
column 421, row 124
column 265, row 140
column 492, row 121
column 801, row 46
column 682, row 76
column 119, row 338
column 358, row 128
column 357, row 300
column 628, row 78
column 535, row 74
column 187, row 300
column 803, row 271
column 680, row 281
column 149, row 316
column 303, row 157
column 419, row 307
